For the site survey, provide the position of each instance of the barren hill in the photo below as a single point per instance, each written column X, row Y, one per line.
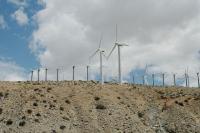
column 73, row 107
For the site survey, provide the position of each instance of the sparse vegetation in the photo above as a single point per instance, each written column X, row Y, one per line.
column 38, row 114
column 36, row 120
column 53, row 131
column 65, row 118
column 1, row 94
column 49, row 89
column 29, row 111
column 1, row 110
column 22, row 123
column 61, row 108
column 87, row 108
column 96, row 98
column 179, row 103
column 67, row 101
column 62, row 127
column 9, row 122
column 35, row 104
column 140, row 114
column 100, row 106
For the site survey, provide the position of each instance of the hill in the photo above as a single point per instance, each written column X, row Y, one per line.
column 73, row 107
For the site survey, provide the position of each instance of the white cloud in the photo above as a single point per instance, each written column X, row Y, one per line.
column 162, row 33
column 20, row 16
column 41, row 2
column 11, row 71
column 3, row 24
column 18, row 2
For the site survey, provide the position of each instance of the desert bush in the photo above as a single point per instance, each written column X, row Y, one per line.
column 1, row 110
column 67, row 101
column 9, row 122
column 22, row 123
column 100, row 106
column 62, row 127
column 96, row 98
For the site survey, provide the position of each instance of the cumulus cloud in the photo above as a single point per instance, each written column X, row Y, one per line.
column 10, row 71
column 3, row 24
column 20, row 16
column 41, row 2
column 162, row 34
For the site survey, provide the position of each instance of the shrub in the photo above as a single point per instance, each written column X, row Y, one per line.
column 9, row 122
column 22, row 123
column 96, row 98
column 62, row 127
column 100, row 106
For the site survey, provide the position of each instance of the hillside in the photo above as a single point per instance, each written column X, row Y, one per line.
column 73, row 107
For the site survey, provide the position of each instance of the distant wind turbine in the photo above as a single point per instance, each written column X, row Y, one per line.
column 101, row 53
column 146, row 75
column 117, row 44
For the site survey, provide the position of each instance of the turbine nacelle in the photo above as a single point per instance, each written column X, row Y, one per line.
column 116, row 44
column 101, row 50
column 121, row 44
column 98, row 50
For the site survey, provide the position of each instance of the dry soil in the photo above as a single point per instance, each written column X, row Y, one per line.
column 88, row 107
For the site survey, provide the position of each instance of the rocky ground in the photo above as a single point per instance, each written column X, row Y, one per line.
column 87, row 107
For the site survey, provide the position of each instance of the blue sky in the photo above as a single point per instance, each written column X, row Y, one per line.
column 14, row 39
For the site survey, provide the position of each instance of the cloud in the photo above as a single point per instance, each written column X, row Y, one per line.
column 18, row 2
column 10, row 71
column 20, row 16
column 3, row 23
column 162, row 34
column 41, row 2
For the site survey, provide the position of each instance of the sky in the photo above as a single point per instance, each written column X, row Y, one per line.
column 163, row 36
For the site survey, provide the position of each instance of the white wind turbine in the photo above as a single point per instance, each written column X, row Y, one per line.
column 119, row 56
column 146, row 75
column 101, row 53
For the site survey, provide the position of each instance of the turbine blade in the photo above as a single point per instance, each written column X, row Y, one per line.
column 101, row 38
column 94, row 54
column 116, row 33
column 123, row 44
column 111, row 51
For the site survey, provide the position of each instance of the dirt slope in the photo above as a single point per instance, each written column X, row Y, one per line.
column 86, row 107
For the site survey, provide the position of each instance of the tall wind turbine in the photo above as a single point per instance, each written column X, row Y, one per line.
column 118, row 45
column 101, row 53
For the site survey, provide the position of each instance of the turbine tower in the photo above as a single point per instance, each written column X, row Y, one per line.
column 146, row 75
column 101, row 53
column 118, row 45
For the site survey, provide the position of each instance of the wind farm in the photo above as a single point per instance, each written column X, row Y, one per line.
column 147, row 104
column 99, row 66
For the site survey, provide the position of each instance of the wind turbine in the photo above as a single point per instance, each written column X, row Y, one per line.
column 101, row 53
column 118, row 45
column 146, row 75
